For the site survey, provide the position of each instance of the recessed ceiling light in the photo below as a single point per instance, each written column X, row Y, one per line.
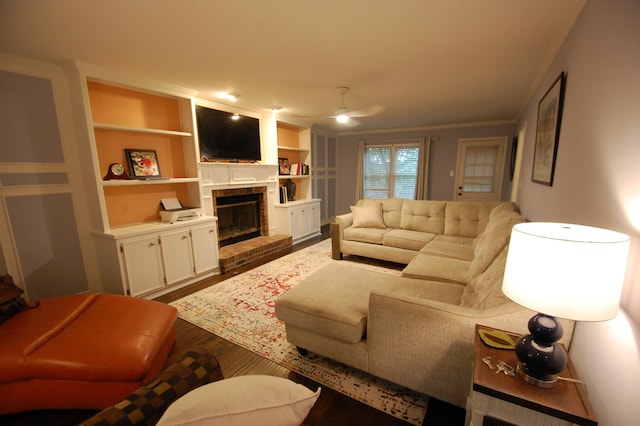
column 235, row 117
column 276, row 109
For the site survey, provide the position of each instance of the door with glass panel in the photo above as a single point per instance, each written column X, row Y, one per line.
column 480, row 169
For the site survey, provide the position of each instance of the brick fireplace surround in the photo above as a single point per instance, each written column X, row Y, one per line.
column 264, row 248
column 260, row 248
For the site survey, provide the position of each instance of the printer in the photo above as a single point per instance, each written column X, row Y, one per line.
column 172, row 211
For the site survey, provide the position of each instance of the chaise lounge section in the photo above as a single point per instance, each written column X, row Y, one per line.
column 416, row 330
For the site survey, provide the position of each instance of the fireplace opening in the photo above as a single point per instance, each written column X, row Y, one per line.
column 238, row 218
column 241, row 212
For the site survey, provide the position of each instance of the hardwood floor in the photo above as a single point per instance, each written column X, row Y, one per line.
column 332, row 408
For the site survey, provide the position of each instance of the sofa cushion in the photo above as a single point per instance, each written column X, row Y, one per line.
column 369, row 216
column 485, row 290
column 391, row 209
column 447, row 249
column 243, row 400
column 423, row 216
column 429, row 290
column 410, row 240
column 506, row 207
column 428, row 267
column 455, row 239
column 365, row 235
column 492, row 240
column 467, row 218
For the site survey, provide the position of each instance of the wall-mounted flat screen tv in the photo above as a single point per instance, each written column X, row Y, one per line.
column 223, row 136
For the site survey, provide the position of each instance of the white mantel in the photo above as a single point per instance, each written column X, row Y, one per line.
column 239, row 175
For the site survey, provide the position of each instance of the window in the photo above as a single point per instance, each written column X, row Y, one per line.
column 391, row 170
column 480, row 169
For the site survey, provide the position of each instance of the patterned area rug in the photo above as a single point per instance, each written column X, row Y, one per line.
column 242, row 310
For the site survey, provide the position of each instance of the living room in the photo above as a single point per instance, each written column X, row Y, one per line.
column 595, row 181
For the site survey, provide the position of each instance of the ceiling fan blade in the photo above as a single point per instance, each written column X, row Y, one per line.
column 351, row 123
column 367, row 112
column 342, row 109
column 310, row 117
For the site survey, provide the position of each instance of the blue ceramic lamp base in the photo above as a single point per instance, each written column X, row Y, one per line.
column 540, row 356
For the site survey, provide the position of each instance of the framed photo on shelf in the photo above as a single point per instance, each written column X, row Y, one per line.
column 284, row 168
column 548, row 132
column 143, row 163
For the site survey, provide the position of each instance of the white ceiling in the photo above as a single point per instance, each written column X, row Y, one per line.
column 427, row 62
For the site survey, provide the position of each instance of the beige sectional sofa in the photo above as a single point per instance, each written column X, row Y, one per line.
column 397, row 229
column 416, row 330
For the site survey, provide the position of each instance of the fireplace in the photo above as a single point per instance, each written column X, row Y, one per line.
column 241, row 213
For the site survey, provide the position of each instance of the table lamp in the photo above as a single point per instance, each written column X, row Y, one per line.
column 561, row 270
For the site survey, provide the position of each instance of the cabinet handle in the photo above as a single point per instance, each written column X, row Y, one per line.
column 152, row 244
column 184, row 237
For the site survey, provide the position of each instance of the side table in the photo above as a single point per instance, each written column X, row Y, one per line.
column 510, row 400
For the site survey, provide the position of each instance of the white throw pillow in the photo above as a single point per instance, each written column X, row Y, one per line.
column 243, row 400
column 369, row 216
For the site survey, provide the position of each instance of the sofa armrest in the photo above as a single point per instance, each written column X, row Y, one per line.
column 148, row 403
column 428, row 345
column 344, row 220
column 337, row 233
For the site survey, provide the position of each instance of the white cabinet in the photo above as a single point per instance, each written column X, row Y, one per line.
column 300, row 219
column 139, row 255
column 165, row 257
column 142, row 264
column 204, row 242
column 177, row 256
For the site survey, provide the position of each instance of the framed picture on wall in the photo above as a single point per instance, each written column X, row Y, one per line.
column 548, row 132
column 143, row 163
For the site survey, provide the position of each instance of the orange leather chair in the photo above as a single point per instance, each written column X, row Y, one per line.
column 82, row 351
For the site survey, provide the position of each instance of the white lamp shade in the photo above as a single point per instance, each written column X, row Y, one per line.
column 568, row 271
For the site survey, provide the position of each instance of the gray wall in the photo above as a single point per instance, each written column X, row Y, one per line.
column 443, row 157
column 597, row 183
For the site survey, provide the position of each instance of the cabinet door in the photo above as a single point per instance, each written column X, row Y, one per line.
column 143, row 264
column 294, row 222
column 176, row 255
column 305, row 220
column 315, row 217
column 205, row 248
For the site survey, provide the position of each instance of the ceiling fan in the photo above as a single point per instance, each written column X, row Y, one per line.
column 346, row 117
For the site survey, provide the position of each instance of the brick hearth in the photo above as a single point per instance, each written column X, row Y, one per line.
column 245, row 252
